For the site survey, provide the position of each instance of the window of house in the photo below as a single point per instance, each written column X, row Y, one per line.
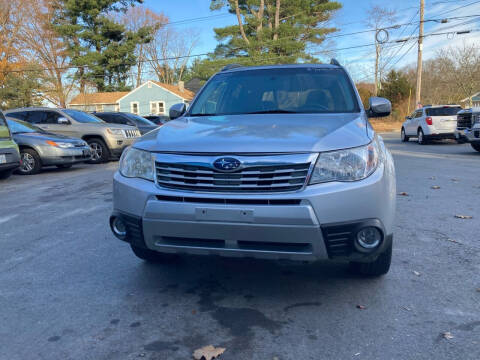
column 117, row 107
column 157, row 107
column 98, row 108
column 134, row 107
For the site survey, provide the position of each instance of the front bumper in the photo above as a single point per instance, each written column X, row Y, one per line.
column 118, row 144
column 318, row 222
column 468, row 135
column 59, row 156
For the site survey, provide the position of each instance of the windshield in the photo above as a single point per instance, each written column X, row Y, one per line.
column 82, row 117
column 17, row 127
column 140, row 120
column 443, row 111
column 278, row 90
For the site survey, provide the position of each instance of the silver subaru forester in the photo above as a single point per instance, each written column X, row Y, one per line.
column 276, row 162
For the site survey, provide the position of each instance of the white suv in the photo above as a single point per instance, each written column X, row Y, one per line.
column 431, row 122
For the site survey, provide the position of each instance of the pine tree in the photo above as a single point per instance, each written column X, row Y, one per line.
column 103, row 49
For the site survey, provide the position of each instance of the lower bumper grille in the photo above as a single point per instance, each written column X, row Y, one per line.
column 339, row 239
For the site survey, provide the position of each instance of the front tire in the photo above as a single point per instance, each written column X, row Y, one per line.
column 421, row 137
column 378, row 267
column 151, row 256
column 100, row 153
column 475, row 146
column 403, row 136
column 31, row 163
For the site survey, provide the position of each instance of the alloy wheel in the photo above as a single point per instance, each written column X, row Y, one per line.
column 96, row 151
column 28, row 163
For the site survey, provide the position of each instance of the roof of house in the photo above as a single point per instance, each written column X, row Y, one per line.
column 98, row 98
column 185, row 94
column 475, row 97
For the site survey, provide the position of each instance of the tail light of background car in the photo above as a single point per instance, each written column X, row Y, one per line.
column 429, row 120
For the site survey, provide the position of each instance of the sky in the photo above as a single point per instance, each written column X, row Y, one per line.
column 351, row 18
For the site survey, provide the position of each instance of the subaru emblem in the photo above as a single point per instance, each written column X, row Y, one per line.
column 226, row 164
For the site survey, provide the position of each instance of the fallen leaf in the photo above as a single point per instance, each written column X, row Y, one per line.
column 447, row 335
column 361, row 307
column 403, row 193
column 406, row 308
column 416, row 273
column 194, row 312
column 463, row 216
column 432, row 177
column 208, row 352
column 454, row 241
column 435, row 187
column 478, row 290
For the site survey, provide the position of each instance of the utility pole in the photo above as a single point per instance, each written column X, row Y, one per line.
column 418, row 93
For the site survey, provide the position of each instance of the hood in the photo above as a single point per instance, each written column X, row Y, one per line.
column 262, row 133
column 29, row 137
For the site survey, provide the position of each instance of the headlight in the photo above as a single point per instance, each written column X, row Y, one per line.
column 346, row 165
column 115, row 131
column 137, row 164
column 62, row 145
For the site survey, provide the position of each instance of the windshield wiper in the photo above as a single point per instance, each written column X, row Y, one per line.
column 275, row 111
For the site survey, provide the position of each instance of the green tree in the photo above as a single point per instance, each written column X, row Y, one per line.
column 395, row 87
column 268, row 31
column 103, row 49
column 22, row 89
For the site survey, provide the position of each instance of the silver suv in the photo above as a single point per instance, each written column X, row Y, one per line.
column 106, row 140
column 468, row 127
column 276, row 162
column 431, row 123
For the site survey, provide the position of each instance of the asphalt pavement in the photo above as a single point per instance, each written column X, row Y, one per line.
column 70, row 290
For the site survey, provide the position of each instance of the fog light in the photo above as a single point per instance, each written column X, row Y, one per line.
column 119, row 228
column 369, row 237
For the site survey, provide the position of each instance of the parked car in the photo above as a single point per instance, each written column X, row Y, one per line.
column 431, row 122
column 158, row 119
column 39, row 148
column 468, row 127
column 275, row 162
column 105, row 140
column 9, row 152
column 125, row 118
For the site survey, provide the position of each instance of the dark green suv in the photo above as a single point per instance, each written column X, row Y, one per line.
column 9, row 154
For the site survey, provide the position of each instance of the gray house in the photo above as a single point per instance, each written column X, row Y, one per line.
column 150, row 98
column 471, row 101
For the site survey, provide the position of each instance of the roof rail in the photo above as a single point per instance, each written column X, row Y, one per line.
column 231, row 66
column 334, row 62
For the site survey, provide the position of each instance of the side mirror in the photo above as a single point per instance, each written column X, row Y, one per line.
column 379, row 107
column 177, row 110
column 63, row 121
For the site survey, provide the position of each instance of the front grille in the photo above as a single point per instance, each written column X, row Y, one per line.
column 131, row 133
column 196, row 200
column 270, row 178
column 464, row 121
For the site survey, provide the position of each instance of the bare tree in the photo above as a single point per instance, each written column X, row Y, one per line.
column 44, row 47
column 134, row 19
column 169, row 53
column 378, row 19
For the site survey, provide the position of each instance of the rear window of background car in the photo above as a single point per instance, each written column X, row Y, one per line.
column 443, row 111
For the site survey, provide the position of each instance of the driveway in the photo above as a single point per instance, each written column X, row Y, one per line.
column 70, row 290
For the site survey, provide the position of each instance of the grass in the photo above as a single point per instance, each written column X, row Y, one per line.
column 386, row 125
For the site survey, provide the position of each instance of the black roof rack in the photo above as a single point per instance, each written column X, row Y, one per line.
column 334, row 62
column 231, row 66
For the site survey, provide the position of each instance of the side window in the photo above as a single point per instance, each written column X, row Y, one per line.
column 21, row 115
column 51, row 117
column 418, row 114
column 35, row 117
